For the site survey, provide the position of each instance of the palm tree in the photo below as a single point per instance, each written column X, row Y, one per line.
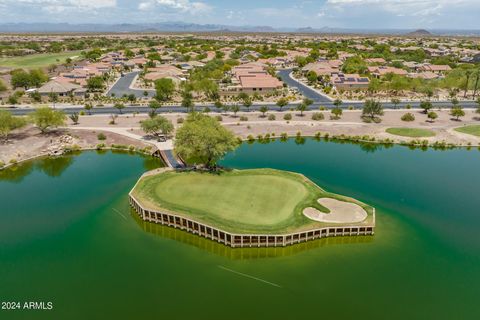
column 475, row 87
column 468, row 73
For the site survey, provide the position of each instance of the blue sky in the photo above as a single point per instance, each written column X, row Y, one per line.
column 439, row 14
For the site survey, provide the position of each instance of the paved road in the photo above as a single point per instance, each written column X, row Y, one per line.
column 122, row 87
column 303, row 89
column 173, row 160
column 169, row 109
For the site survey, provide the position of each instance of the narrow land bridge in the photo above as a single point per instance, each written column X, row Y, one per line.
column 163, row 150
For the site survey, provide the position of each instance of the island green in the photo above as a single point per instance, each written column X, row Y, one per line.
column 243, row 201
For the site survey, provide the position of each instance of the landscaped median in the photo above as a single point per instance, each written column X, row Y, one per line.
column 240, row 202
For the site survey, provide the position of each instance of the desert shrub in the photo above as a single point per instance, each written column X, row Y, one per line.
column 101, row 136
column 408, row 117
column 317, row 116
column 287, row 117
column 271, row 117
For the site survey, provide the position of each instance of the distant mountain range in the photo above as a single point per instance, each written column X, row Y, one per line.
column 193, row 27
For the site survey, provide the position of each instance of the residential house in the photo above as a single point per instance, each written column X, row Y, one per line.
column 61, row 88
column 349, row 81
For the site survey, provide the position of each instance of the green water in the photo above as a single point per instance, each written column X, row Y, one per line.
column 68, row 236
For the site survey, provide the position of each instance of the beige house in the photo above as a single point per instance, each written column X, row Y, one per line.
column 61, row 88
column 253, row 78
column 349, row 81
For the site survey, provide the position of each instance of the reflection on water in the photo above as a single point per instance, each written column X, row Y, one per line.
column 241, row 253
column 55, row 166
column 16, row 173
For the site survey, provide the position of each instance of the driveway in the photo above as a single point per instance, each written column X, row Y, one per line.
column 303, row 89
column 122, row 86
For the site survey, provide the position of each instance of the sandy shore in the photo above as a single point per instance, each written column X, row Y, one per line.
column 29, row 142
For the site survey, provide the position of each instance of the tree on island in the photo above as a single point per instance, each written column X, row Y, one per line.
column 372, row 109
column 45, row 118
column 201, row 139
column 157, row 125
column 8, row 122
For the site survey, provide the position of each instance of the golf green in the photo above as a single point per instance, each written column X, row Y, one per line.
column 248, row 201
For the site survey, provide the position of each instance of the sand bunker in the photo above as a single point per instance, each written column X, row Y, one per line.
column 340, row 212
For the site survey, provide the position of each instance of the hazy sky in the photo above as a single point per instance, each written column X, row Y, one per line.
column 444, row 14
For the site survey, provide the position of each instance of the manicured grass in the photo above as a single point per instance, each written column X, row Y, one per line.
column 473, row 130
column 246, row 201
column 37, row 60
column 411, row 132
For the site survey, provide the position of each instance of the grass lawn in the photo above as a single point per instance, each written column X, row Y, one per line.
column 411, row 132
column 245, row 201
column 473, row 130
column 34, row 61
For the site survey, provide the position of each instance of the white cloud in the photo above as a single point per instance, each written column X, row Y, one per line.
column 83, row 4
column 404, row 7
column 56, row 7
column 185, row 6
column 402, row 13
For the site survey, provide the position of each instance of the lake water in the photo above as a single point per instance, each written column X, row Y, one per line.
column 67, row 236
